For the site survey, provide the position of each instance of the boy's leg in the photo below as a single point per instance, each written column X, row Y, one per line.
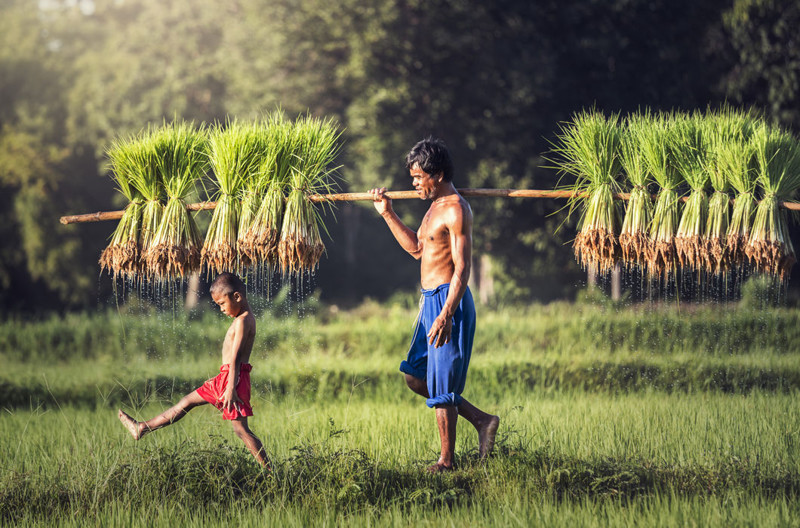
column 250, row 440
column 446, row 418
column 168, row 417
column 485, row 423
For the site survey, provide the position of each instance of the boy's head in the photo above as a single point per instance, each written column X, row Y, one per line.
column 229, row 293
column 432, row 156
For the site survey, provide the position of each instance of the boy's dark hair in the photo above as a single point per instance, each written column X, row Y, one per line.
column 432, row 156
column 227, row 283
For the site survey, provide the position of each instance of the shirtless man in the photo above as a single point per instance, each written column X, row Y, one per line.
column 229, row 391
column 437, row 362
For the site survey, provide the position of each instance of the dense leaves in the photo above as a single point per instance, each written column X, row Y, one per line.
column 493, row 79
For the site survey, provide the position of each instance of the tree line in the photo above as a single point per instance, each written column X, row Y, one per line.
column 494, row 79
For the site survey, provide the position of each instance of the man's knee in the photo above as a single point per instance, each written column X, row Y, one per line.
column 417, row 385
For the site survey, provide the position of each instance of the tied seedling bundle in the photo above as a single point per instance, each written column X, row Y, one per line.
column 725, row 162
column 121, row 257
column 254, row 186
column 181, row 160
column 234, row 154
column 690, row 160
column 717, row 151
column 658, row 147
column 301, row 246
column 589, row 147
column 260, row 241
column 777, row 156
column 633, row 239
column 146, row 178
column 737, row 159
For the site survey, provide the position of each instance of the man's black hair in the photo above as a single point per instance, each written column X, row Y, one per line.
column 227, row 283
column 433, row 157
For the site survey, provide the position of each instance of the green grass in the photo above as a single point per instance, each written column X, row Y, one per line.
column 610, row 416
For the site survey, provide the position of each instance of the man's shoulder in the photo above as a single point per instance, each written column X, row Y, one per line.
column 457, row 210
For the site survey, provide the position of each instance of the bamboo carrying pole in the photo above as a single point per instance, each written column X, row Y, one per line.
column 394, row 195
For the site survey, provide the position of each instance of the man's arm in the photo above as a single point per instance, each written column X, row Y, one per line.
column 459, row 223
column 404, row 235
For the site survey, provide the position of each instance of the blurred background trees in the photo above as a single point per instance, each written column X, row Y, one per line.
column 494, row 79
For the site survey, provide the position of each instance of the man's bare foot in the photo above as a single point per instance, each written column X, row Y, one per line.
column 133, row 427
column 486, row 435
column 439, row 468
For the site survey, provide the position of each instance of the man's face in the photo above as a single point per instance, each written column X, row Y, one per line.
column 229, row 303
column 427, row 186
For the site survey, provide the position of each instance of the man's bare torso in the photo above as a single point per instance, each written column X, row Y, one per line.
column 436, row 241
column 248, row 336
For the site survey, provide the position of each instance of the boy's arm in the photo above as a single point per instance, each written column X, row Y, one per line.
column 240, row 328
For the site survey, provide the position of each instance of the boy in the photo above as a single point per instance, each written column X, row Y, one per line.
column 230, row 390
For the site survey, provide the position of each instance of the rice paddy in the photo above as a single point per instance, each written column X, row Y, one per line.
column 611, row 416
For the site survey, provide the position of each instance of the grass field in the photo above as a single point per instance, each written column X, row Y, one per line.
column 633, row 416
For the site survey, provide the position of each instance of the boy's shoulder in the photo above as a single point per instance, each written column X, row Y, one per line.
column 247, row 320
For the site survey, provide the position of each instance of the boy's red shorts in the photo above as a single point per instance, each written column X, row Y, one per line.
column 213, row 390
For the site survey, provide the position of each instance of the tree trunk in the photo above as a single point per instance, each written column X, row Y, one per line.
column 591, row 277
column 192, row 292
column 616, row 282
column 482, row 279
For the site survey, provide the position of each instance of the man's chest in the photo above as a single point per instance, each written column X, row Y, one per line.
column 433, row 230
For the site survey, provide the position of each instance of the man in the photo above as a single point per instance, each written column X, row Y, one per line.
column 437, row 362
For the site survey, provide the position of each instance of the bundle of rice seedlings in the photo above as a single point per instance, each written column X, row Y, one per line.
column 233, row 156
column 301, row 246
column 121, row 257
column 182, row 159
column 146, row 178
column 777, row 155
column 633, row 239
column 262, row 206
column 737, row 159
column 254, row 185
column 589, row 147
column 722, row 130
column 657, row 149
column 689, row 156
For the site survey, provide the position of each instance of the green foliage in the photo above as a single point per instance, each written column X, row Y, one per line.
column 48, row 252
column 760, row 292
column 492, row 79
column 766, row 70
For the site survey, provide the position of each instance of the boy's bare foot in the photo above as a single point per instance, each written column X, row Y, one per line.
column 134, row 427
column 486, row 435
column 439, row 468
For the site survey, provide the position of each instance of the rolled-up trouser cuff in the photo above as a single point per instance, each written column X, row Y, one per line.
column 450, row 398
column 406, row 368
